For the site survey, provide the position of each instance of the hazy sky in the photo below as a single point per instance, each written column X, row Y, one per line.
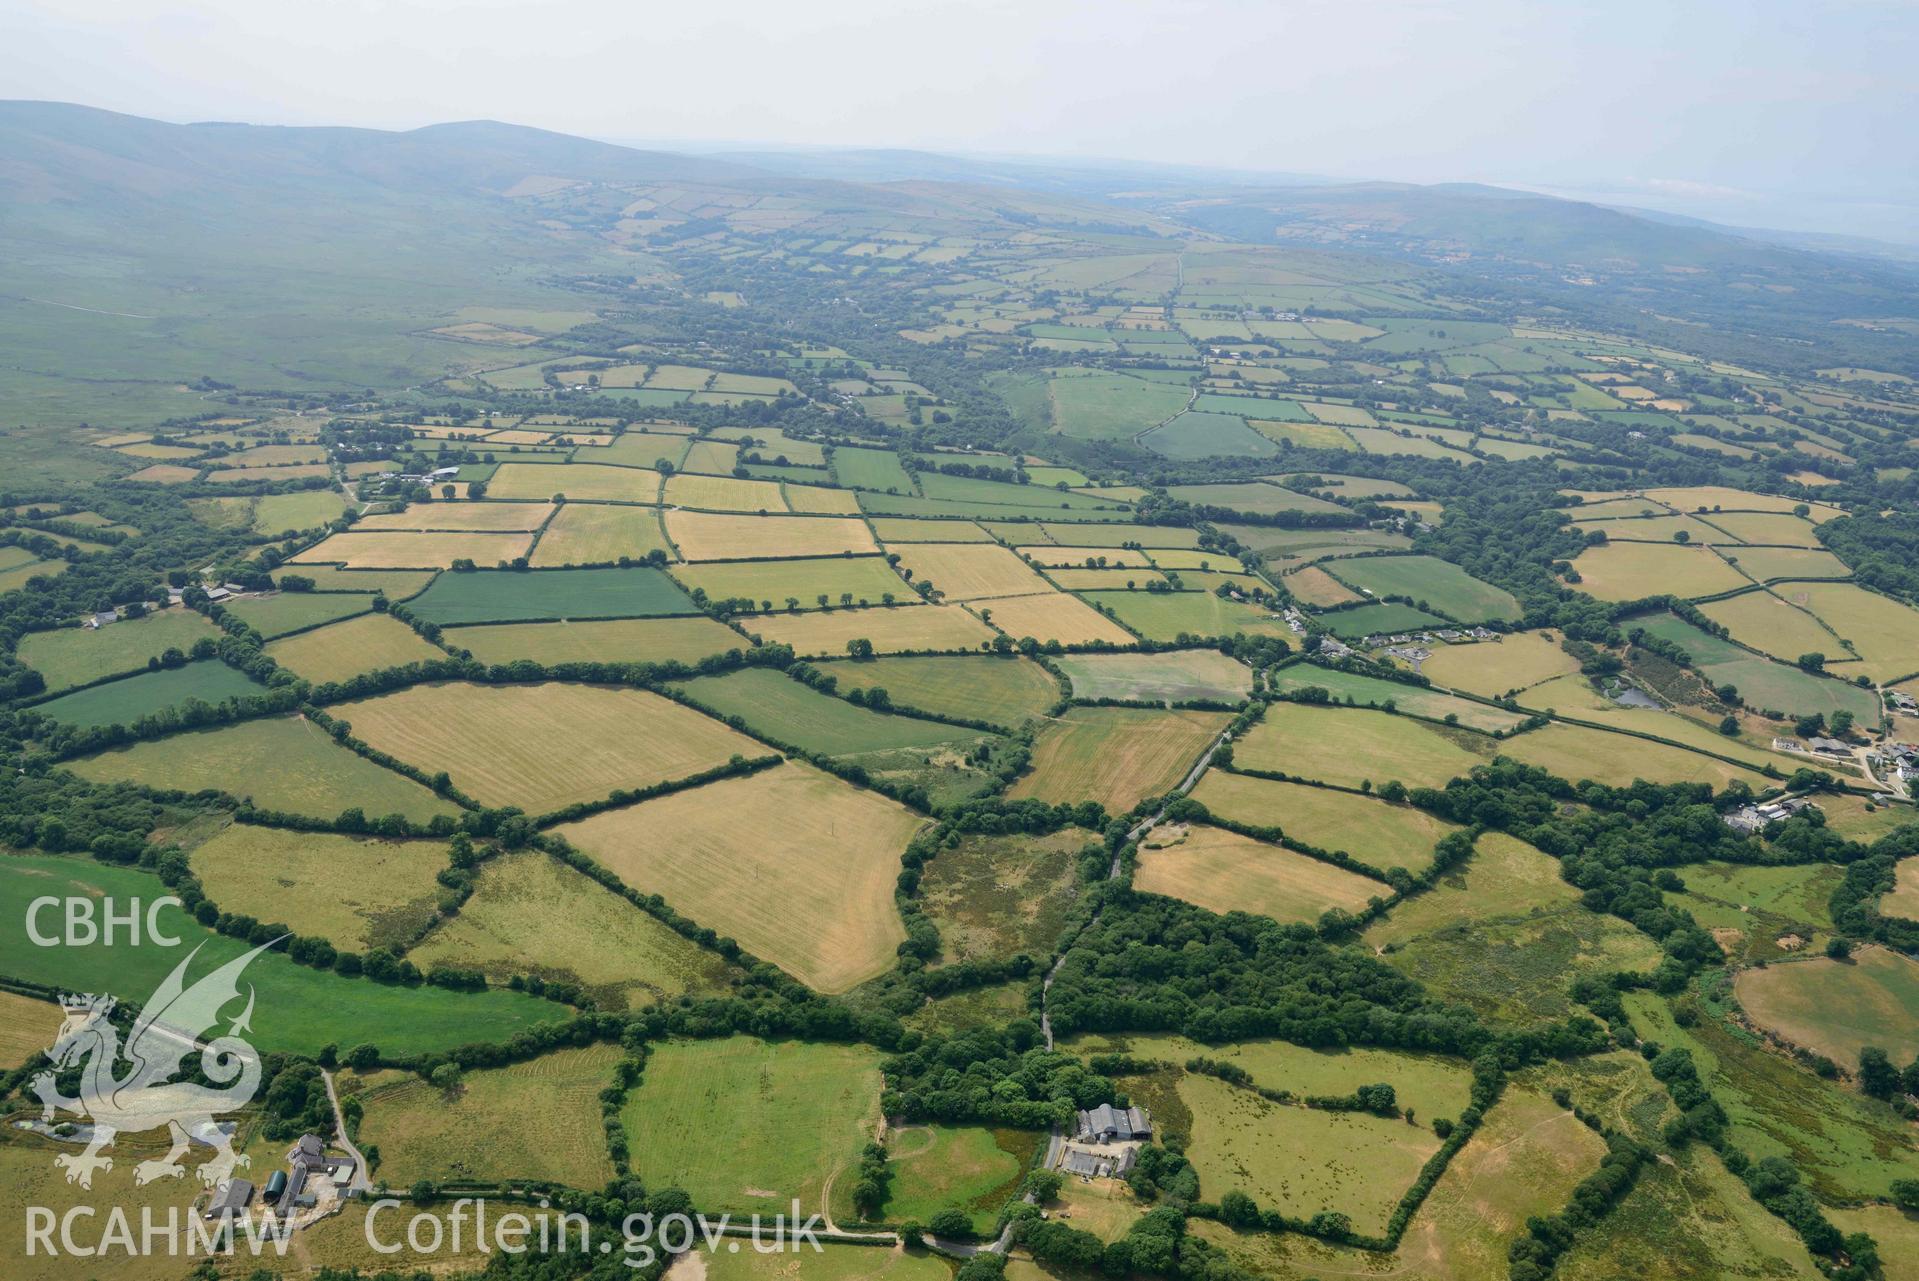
column 1801, row 113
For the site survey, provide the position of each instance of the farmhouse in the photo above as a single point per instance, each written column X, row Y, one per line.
column 1090, row 1164
column 1108, row 1124
column 231, row 1199
column 1754, row 818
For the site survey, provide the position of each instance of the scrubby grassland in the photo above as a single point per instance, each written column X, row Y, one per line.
column 1442, row 585
column 299, row 1010
column 1116, row 755
column 1176, row 676
column 966, row 1167
column 340, row 651
column 1223, row 872
column 483, row 517
column 745, row 1125
column 125, row 701
column 715, row 536
column 1630, row 571
column 786, row 711
column 937, row 627
column 1376, row 833
column 1576, row 752
column 1050, row 616
column 1761, row 682
column 1836, row 1008
column 869, row 580
column 405, row 549
column 27, row 1026
column 1505, row 935
column 79, row 655
column 359, row 893
column 612, row 640
column 1749, row 909
column 996, row 896
column 1001, row 690
column 285, row 612
column 1347, row 747
column 543, row 747
column 1431, row 1085
column 598, row 534
column 1166, row 616
column 1413, row 699
column 969, row 571
column 795, row 864
column 494, row 596
column 281, row 763
column 530, row 914
column 484, row 1130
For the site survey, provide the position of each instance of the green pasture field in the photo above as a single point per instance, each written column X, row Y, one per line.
column 355, row 892
column 506, row 596
column 1306, row 434
column 270, row 513
column 786, row 711
column 1267, row 409
column 1370, row 691
column 1847, row 1147
column 298, row 1009
column 1505, row 935
column 285, row 612
column 1770, row 564
column 531, row 914
column 876, row 469
column 969, row 489
column 826, row 632
column 396, row 584
column 1000, row 690
column 1377, row 833
column 1203, row 435
column 1347, row 747
column 641, row 449
column 280, row 762
column 970, row 1168
column 1491, row 669
column 546, row 746
column 478, row 1132
column 608, row 640
column 122, row 702
column 1765, row 622
column 339, row 651
column 746, row 1126
column 1098, row 406
column 1836, row 1008
column 1116, row 755
column 80, row 655
column 1268, row 541
column 1223, row 871
column 1166, row 616
column 1440, row 584
column 1576, row 753
column 1182, row 675
column 1379, row 440
column 1250, row 496
column 596, row 534
column 1761, row 682
column 1369, row 620
column 996, row 896
column 867, row 579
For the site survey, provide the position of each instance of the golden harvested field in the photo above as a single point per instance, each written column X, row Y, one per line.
column 27, row 1027
column 398, row 549
column 1779, row 529
column 1838, row 1008
column 714, row 536
column 1051, row 617
column 344, row 649
column 593, row 534
column 165, row 474
column 1375, row 832
column 506, row 517
column 816, row 633
column 818, row 498
column 1719, row 497
column 1223, row 871
column 532, row 914
column 1492, row 668
column 358, row 893
column 1771, row 626
column 1349, row 746
column 611, row 640
column 1574, row 752
column 723, row 493
column 485, row 1130
column 1884, row 632
column 543, row 747
column 1116, row 755
column 793, row 863
column 1630, row 571
column 580, row 482
column 1314, row 586
column 970, row 571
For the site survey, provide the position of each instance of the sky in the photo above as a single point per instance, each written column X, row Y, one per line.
column 1798, row 114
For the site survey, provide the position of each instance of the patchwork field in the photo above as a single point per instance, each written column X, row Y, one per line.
column 1376, row 833
column 1883, row 632
column 1166, row 616
column 1630, row 571
column 358, row 893
column 922, row 627
column 285, row 612
column 1223, row 872
column 786, row 711
column 795, row 864
column 599, row 534
column 722, row 493
column 1768, row 624
column 543, row 747
column 1760, row 682
column 969, row 571
column 532, row 915
column 580, row 482
column 1176, row 676
column 1371, row 691
column 122, row 702
column 78, row 655
column 344, row 649
column 798, row 584
column 1838, row 1007
column 999, row 690
column 746, row 1126
column 1435, row 584
column 496, row 517
column 713, row 536
column 491, row 596
column 1575, row 752
column 1048, row 617
column 1347, row 747
column 281, row 763
column 612, row 640
column 406, row 549
column 1116, row 755
column 1491, row 669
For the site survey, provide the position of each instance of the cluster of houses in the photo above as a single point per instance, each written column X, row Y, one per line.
column 433, row 477
column 1106, row 1142
column 312, row 1180
column 1753, row 819
column 1897, row 762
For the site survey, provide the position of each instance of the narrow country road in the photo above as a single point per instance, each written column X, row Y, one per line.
column 361, row 1181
